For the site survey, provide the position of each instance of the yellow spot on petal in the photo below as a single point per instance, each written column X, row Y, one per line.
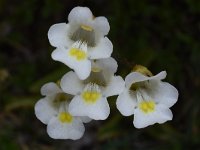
column 91, row 96
column 65, row 117
column 147, row 106
column 86, row 27
column 78, row 54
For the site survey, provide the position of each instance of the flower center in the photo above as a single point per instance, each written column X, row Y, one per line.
column 138, row 85
column 90, row 97
column 91, row 93
column 97, row 77
column 85, row 34
column 147, row 106
column 86, row 27
column 61, row 97
column 78, row 54
column 65, row 117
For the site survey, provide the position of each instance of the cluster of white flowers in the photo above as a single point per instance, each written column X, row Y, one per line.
column 81, row 96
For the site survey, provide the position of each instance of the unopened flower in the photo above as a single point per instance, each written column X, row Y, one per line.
column 81, row 39
column 53, row 111
column 148, row 98
column 91, row 94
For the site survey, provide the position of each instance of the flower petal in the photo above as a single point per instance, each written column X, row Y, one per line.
column 82, row 68
column 160, row 115
column 101, row 25
column 59, row 54
column 59, row 130
column 165, row 94
column 49, row 89
column 85, row 119
column 126, row 104
column 98, row 111
column 80, row 15
column 44, row 111
column 164, row 113
column 115, row 87
column 57, row 35
column 134, row 77
column 103, row 49
column 107, row 64
column 71, row 84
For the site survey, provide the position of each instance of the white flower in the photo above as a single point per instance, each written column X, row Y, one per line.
column 91, row 94
column 65, row 126
column 53, row 111
column 81, row 39
column 76, row 58
column 148, row 98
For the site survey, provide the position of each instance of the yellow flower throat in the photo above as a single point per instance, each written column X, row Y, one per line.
column 65, row 117
column 78, row 54
column 147, row 106
column 91, row 96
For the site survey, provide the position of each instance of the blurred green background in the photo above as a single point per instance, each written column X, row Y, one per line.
column 160, row 34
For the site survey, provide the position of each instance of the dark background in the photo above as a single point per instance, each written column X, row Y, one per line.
column 160, row 34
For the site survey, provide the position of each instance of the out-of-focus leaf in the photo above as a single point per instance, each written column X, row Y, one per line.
column 3, row 74
column 52, row 77
column 20, row 102
column 110, row 128
column 7, row 144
